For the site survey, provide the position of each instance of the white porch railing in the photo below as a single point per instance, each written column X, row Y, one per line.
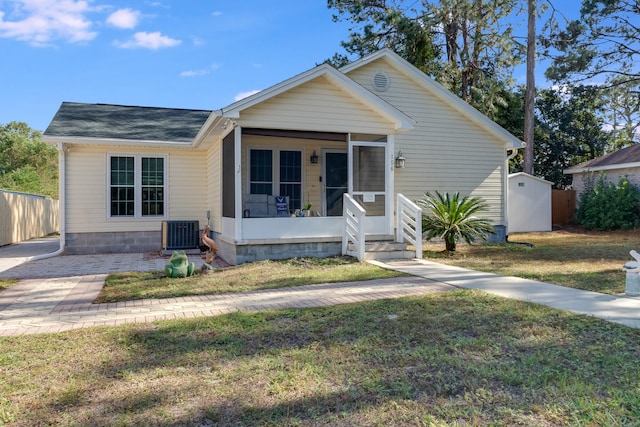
column 353, row 215
column 409, row 223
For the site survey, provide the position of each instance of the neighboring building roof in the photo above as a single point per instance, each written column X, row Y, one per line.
column 120, row 122
column 440, row 91
column 624, row 158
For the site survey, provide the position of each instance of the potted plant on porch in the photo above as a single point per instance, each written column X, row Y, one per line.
column 306, row 210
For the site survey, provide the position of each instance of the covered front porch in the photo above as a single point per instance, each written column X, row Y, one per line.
column 283, row 191
column 306, row 141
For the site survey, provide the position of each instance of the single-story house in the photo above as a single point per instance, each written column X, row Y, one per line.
column 345, row 146
column 619, row 164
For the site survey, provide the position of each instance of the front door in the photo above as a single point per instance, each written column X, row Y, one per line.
column 336, row 181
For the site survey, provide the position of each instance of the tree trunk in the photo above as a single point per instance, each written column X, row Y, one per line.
column 451, row 33
column 530, row 93
column 450, row 242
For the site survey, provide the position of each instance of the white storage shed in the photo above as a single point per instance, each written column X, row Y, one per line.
column 528, row 203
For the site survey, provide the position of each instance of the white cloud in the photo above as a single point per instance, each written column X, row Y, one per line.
column 197, row 73
column 216, row 13
column 151, row 41
column 194, row 73
column 243, row 95
column 39, row 22
column 124, row 18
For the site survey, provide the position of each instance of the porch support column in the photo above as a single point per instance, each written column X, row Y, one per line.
column 390, row 197
column 237, row 155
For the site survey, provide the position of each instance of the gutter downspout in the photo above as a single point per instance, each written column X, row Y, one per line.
column 62, row 198
column 514, row 152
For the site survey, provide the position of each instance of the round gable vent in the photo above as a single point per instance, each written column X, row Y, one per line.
column 380, row 81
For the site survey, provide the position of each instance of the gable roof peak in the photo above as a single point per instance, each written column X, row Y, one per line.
column 339, row 79
column 439, row 91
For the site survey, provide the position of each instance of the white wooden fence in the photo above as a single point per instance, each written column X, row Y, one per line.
column 25, row 216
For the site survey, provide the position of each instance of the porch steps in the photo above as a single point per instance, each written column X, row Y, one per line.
column 385, row 250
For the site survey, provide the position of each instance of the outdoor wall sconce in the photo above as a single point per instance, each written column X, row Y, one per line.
column 314, row 157
column 400, row 160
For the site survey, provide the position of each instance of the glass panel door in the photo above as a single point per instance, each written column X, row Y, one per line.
column 369, row 177
column 336, row 181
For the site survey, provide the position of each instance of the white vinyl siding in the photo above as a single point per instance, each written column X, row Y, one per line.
column 317, row 105
column 87, row 186
column 187, row 186
column 445, row 151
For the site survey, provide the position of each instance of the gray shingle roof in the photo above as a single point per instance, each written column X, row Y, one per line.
column 126, row 122
column 626, row 155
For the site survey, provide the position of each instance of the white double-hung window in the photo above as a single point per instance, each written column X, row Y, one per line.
column 136, row 186
column 276, row 172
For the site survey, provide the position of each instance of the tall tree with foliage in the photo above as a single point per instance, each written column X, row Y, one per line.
column 467, row 45
column 605, row 41
column 623, row 112
column 555, row 150
column 27, row 164
column 570, row 131
column 510, row 115
column 477, row 36
column 378, row 24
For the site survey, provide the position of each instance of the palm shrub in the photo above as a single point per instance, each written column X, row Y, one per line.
column 451, row 217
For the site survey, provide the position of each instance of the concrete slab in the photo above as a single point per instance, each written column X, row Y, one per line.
column 614, row 308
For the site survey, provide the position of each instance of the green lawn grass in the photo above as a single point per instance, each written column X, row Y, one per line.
column 451, row 358
column 245, row 277
column 575, row 258
column 444, row 359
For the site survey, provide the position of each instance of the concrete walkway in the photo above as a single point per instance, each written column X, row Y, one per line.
column 14, row 264
column 56, row 294
column 613, row 308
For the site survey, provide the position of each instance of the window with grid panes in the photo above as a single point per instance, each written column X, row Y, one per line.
column 276, row 169
column 291, row 177
column 137, row 186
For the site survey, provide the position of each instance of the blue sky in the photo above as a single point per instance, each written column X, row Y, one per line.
column 200, row 54
column 166, row 53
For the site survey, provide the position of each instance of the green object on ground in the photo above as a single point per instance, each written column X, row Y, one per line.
column 179, row 265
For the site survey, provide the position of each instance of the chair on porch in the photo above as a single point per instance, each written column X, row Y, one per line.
column 265, row 206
